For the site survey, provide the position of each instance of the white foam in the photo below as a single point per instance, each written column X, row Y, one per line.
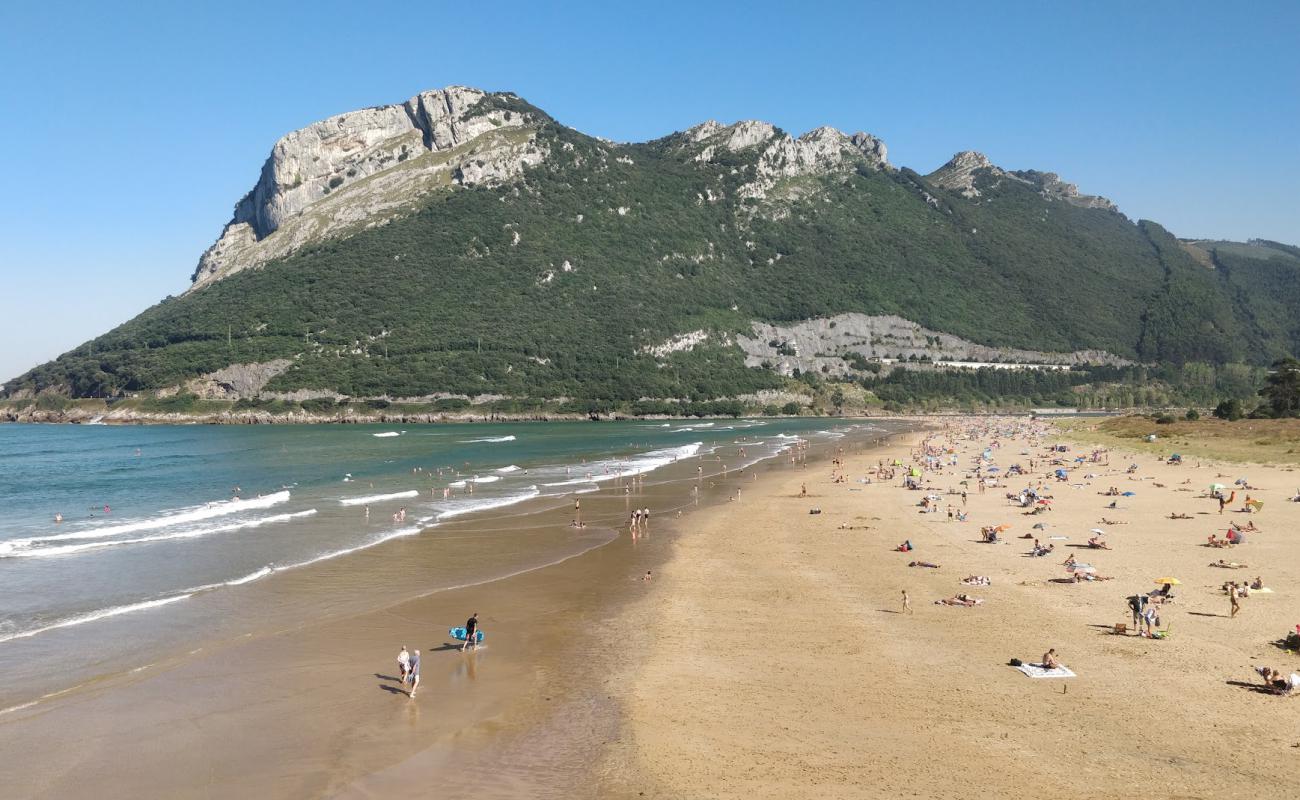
column 100, row 614
column 193, row 514
column 645, row 462
column 488, row 439
column 393, row 534
column 511, row 468
column 376, row 498
column 385, row 434
column 485, row 478
column 250, row 577
column 193, row 533
column 468, row 507
column 457, row 484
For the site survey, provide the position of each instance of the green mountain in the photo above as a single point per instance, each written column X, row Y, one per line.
column 465, row 244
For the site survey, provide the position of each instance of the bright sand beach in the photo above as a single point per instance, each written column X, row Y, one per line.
column 772, row 658
column 767, row 658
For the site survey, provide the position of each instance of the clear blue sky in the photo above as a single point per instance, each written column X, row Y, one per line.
column 130, row 129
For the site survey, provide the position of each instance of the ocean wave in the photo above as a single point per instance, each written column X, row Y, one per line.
column 375, row 498
column 511, row 468
column 485, row 478
column 36, row 550
column 250, row 577
column 386, row 434
column 220, row 508
column 488, row 439
column 102, row 613
column 331, row 554
column 600, row 471
column 469, row 507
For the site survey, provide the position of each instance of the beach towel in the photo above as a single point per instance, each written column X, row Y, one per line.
column 1038, row 671
column 1265, row 590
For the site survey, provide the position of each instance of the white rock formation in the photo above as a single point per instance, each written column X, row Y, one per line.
column 811, row 344
column 961, row 170
column 362, row 168
column 781, row 156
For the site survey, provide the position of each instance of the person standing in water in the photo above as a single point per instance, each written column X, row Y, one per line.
column 471, row 631
column 403, row 663
column 414, row 674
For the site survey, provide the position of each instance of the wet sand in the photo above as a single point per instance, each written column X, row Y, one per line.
column 772, row 658
column 315, row 710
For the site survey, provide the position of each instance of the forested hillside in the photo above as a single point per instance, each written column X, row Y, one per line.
column 557, row 283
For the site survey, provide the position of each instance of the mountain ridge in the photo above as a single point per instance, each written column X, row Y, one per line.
column 513, row 256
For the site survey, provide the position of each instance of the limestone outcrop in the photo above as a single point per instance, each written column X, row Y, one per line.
column 960, row 172
column 813, row 344
column 780, row 156
column 360, row 169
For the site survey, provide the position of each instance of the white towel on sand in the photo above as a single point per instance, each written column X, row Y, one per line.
column 1038, row 671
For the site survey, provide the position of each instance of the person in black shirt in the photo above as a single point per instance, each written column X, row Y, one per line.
column 471, row 631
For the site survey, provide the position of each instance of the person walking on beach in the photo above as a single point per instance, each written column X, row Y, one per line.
column 907, row 603
column 414, row 674
column 404, row 663
column 471, row 629
column 1236, row 604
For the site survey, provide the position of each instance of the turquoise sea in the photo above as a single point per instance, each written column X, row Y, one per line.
column 176, row 533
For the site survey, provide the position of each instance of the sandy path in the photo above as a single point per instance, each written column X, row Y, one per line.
column 776, row 664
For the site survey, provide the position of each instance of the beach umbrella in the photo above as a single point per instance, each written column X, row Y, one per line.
column 1128, row 494
column 1169, row 581
column 1002, row 528
column 1214, row 487
column 1098, row 531
column 1041, row 526
column 993, row 469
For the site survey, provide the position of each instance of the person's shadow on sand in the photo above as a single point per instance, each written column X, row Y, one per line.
column 444, row 647
column 1254, row 687
column 399, row 689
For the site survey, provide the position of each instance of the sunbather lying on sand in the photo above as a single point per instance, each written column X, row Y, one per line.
column 1180, row 516
column 923, row 564
column 1097, row 544
column 1276, row 682
column 976, row 580
column 1105, row 521
column 959, row 600
column 1227, row 564
column 1080, row 576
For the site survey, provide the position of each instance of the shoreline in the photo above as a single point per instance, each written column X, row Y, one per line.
column 239, row 699
column 773, row 660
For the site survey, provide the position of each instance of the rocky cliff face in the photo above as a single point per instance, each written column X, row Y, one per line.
column 780, row 156
column 960, row 172
column 362, row 168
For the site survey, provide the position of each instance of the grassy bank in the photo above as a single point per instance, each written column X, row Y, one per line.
column 1262, row 441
